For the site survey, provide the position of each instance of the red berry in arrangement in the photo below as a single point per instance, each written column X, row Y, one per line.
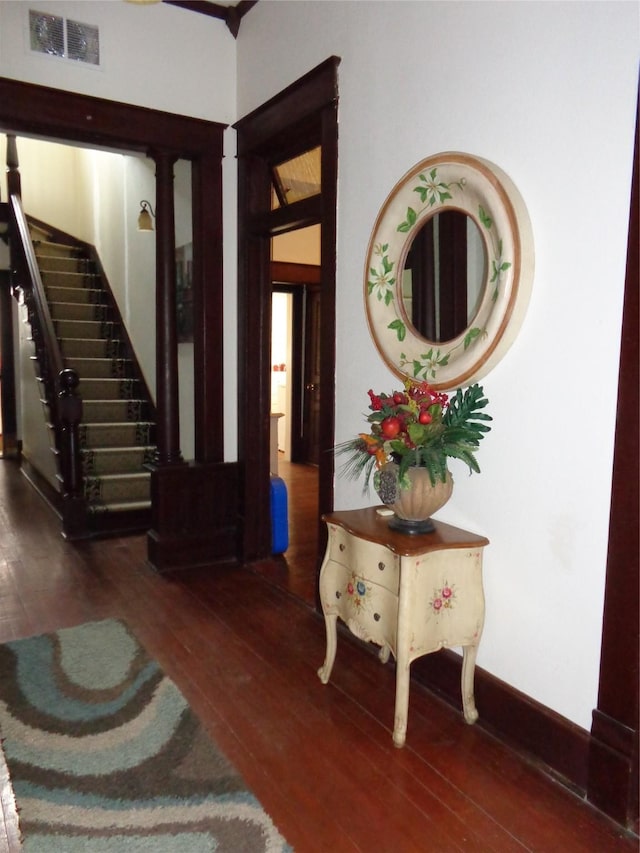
column 425, row 418
column 398, row 398
column 390, row 427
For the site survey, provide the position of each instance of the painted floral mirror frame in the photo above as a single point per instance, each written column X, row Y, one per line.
column 478, row 188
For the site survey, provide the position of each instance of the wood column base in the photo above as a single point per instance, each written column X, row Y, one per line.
column 195, row 515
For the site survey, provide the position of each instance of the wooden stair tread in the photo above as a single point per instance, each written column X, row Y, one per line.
column 92, row 344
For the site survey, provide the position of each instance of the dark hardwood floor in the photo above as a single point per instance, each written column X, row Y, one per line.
column 244, row 646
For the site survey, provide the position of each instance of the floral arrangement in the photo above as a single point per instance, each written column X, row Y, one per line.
column 421, row 427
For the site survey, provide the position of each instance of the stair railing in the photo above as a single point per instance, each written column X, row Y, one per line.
column 60, row 383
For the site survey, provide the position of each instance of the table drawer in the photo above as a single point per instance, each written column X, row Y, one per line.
column 369, row 610
column 369, row 560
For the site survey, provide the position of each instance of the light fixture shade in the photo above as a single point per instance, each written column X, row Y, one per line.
column 145, row 223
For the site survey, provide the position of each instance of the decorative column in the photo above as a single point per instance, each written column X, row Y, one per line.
column 167, row 403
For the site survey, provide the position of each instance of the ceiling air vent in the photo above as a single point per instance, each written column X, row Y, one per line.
column 62, row 37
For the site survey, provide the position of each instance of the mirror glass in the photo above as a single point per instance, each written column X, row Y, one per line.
column 444, row 276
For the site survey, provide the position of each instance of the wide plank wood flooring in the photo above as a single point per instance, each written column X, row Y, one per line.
column 245, row 650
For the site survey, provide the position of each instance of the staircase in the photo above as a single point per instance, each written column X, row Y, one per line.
column 117, row 431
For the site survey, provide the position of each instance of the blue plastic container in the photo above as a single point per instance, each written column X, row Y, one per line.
column 279, row 516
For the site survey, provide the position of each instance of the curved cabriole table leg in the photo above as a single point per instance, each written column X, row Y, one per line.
column 402, row 704
column 469, row 654
column 324, row 673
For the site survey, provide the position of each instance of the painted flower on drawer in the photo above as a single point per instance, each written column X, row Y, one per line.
column 357, row 592
column 443, row 599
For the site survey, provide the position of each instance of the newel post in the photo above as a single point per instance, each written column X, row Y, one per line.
column 13, row 171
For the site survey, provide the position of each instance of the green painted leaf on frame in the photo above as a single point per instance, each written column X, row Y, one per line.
column 410, row 220
column 471, row 335
column 484, row 217
column 399, row 328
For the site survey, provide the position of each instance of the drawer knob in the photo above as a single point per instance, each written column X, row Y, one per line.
column 381, row 566
column 376, row 617
column 342, row 546
column 338, row 594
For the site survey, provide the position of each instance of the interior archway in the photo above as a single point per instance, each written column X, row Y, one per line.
column 299, row 119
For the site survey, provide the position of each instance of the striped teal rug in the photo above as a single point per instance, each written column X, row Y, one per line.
column 104, row 753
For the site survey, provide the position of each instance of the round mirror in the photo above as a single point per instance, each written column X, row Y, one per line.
column 449, row 270
column 443, row 276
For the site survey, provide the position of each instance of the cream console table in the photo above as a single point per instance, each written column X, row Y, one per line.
column 411, row 594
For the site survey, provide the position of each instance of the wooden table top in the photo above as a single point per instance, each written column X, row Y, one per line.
column 369, row 524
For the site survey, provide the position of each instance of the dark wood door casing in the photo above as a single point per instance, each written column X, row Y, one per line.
column 302, row 117
column 187, row 529
column 312, row 390
column 613, row 755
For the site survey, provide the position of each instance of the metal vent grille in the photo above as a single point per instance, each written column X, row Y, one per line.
column 57, row 36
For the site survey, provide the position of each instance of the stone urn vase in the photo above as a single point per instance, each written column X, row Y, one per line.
column 412, row 507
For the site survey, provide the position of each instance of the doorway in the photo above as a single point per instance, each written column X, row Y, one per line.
column 300, row 120
column 295, row 373
column 296, row 407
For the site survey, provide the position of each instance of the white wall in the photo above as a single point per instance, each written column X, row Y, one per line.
column 150, row 55
column 547, row 91
column 165, row 58
column 40, row 184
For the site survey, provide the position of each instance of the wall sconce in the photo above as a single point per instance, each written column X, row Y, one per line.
column 145, row 222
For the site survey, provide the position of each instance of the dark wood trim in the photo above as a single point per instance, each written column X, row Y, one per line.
column 66, row 116
column 301, row 117
column 526, row 725
column 231, row 15
column 7, row 367
column 292, row 273
column 42, row 486
column 300, row 214
column 167, row 399
column 209, row 411
column 195, row 510
column 40, row 110
column 613, row 760
column 267, row 131
column 213, row 10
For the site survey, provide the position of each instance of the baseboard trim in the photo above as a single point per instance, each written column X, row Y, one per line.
column 42, row 486
column 534, row 730
column 613, row 760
